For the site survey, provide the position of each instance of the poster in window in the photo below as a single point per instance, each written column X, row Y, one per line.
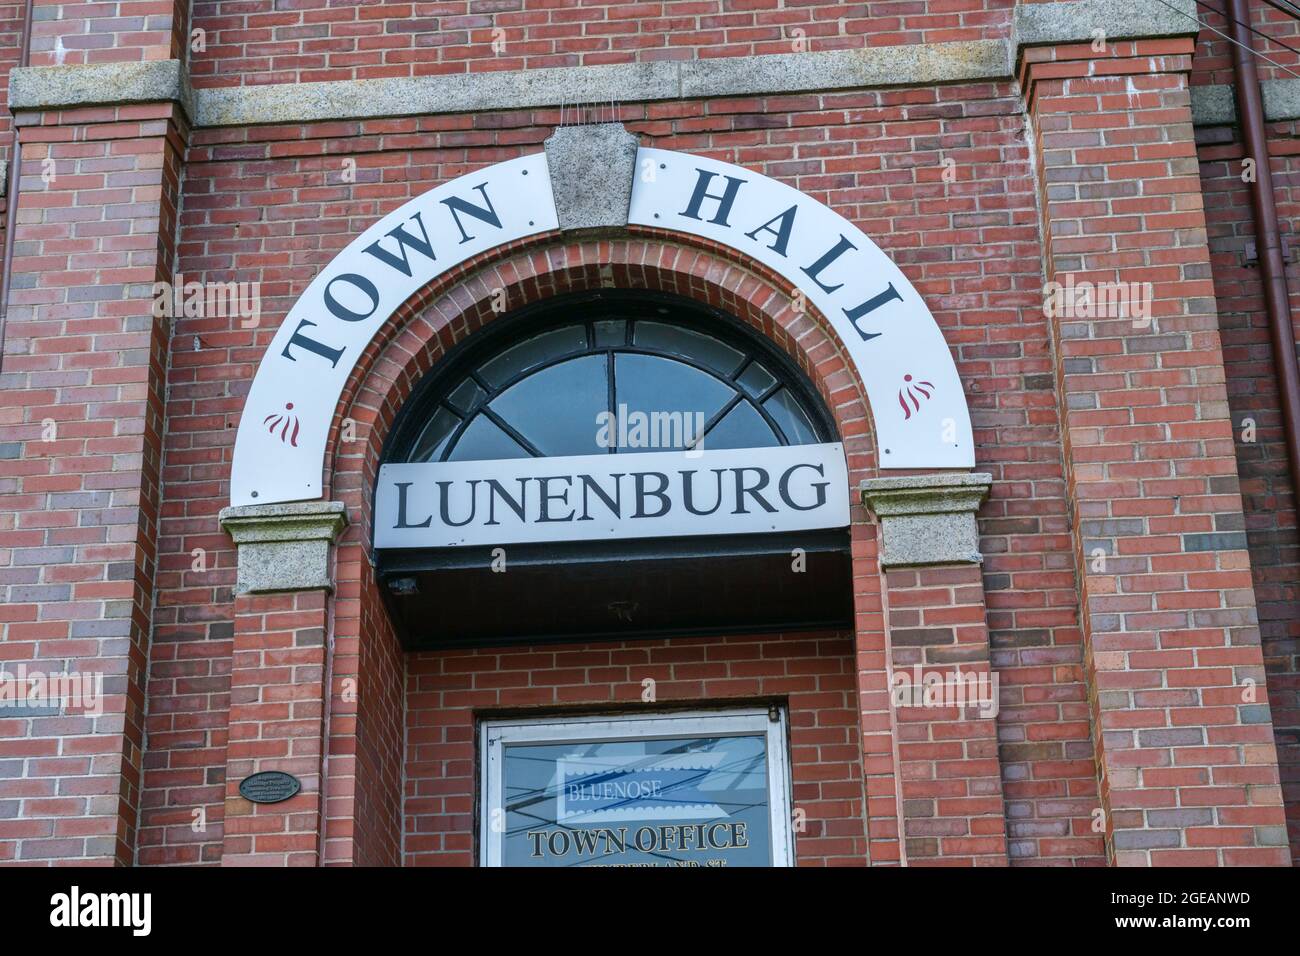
column 688, row 802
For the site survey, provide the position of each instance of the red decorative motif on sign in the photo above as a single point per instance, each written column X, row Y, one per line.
column 283, row 422
column 908, row 393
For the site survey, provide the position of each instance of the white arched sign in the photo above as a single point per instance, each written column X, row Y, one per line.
column 919, row 408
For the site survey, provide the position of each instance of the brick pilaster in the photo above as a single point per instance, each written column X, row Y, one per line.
column 943, row 693
column 82, row 414
column 277, row 692
column 953, row 813
column 279, row 676
column 1183, row 737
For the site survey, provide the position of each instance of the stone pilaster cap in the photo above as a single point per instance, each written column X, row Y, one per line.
column 927, row 519
column 294, row 521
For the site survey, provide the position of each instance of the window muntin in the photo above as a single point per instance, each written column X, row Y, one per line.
column 703, row 789
column 542, row 394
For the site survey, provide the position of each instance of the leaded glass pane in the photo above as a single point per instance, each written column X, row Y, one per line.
column 428, row 447
column 688, row 343
column 680, row 395
column 791, row 417
column 484, row 441
column 533, row 352
column 610, row 333
column 559, row 408
column 755, row 379
column 550, row 394
column 742, row 427
column 466, row 395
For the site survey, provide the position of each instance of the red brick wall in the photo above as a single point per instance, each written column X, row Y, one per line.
column 263, row 42
column 271, row 204
column 948, row 755
column 380, row 735
column 1267, row 488
column 446, row 690
column 1275, row 30
column 277, row 714
column 11, row 28
column 73, row 32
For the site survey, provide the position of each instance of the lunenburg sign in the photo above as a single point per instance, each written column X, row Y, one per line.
column 919, row 409
column 608, row 497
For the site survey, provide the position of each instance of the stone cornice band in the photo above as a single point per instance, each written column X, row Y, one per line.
column 63, row 87
column 1216, row 105
column 100, row 84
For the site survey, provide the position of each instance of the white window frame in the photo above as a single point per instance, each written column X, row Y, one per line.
column 496, row 734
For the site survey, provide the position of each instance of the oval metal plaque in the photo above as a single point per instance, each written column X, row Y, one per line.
column 269, row 786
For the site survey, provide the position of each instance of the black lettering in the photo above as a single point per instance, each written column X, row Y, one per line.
column 714, row 842
column 742, row 490
column 688, row 495
column 311, row 345
column 688, row 837
column 613, row 504
column 554, row 838
column 782, row 233
column 724, row 201
column 495, row 489
column 866, row 308
column 444, row 510
column 401, row 509
column 831, row 255
column 667, row 837
column 642, row 494
column 585, row 840
column 458, row 206
column 548, row 497
column 404, row 238
column 342, row 312
column 618, row 841
column 783, row 487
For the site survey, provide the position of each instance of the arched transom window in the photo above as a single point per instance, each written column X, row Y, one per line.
column 586, row 376
column 612, row 374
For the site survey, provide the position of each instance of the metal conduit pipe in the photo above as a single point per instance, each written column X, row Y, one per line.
column 1268, row 239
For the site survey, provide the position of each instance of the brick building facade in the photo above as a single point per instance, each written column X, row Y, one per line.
column 1134, row 587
